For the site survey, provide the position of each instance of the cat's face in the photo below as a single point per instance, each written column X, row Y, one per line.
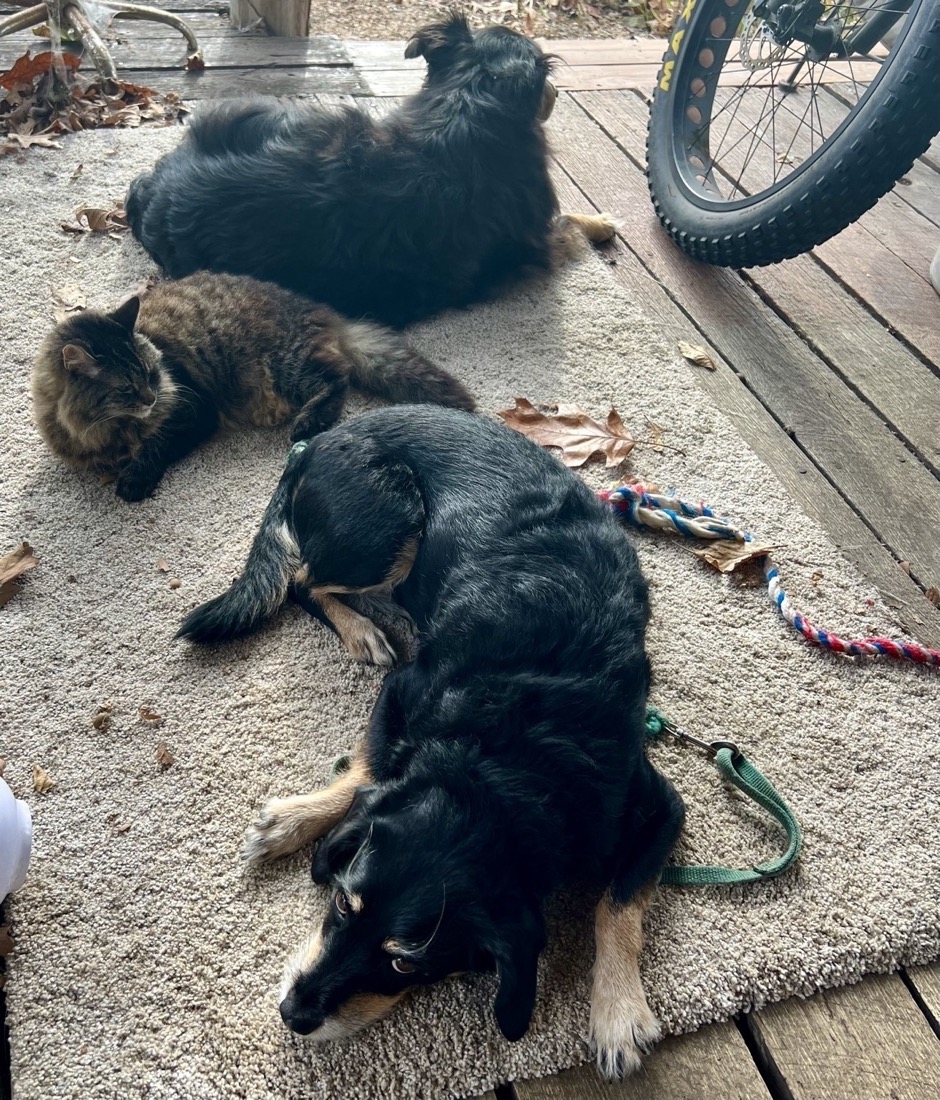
column 112, row 374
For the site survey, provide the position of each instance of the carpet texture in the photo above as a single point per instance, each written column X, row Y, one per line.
column 147, row 959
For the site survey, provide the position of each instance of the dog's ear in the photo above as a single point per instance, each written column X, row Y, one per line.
column 516, row 948
column 335, row 851
column 438, row 42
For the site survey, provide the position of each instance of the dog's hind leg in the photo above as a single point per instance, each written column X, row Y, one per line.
column 364, row 640
column 622, row 1025
column 287, row 824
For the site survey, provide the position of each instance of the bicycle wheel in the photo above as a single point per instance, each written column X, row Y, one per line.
column 769, row 132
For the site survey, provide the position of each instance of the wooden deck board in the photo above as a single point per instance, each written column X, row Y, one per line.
column 860, row 1042
column 713, row 1063
column 926, row 980
column 873, row 470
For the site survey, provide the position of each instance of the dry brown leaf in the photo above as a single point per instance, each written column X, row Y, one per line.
column 24, row 141
column 13, row 566
column 162, row 566
column 149, row 717
column 68, row 299
column 572, row 431
column 175, row 583
column 78, row 171
column 123, row 827
column 816, row 577
column 933, row 594
column 102, row 720
column 42, row 780
column 696, row 354
column 656, row 435
column 6, row 940
column 906, row 566
column 100, row 219
column 163, row 755
column 26, row 68
column 727, row 554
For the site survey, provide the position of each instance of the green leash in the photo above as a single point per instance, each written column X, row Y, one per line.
column 737, row 769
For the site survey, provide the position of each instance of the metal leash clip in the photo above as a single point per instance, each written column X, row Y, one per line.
column 711, row 747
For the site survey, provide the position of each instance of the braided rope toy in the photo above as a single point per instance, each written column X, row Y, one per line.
column 644, row 506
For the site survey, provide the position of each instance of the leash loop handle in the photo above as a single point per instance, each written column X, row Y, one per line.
column 734, row 767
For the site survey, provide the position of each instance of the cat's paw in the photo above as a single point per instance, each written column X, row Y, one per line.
column 134, row 485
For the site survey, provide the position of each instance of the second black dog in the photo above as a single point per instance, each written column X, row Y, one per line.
column 436, row 205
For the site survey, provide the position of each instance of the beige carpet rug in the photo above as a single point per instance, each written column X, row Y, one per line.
column 147, row 961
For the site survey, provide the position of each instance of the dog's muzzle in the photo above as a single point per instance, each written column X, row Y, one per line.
column 298, row 1018
column 548, row 101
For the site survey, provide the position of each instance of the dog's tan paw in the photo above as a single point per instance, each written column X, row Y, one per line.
column 370, row 645
column 279, row 830
column 621, row 1033
column 600, row 228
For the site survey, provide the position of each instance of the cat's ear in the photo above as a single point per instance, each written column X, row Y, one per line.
column 126, row 314
column 78, row 360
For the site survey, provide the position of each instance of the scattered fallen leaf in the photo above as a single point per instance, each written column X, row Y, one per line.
column 175, row 582
column 784, row 159
column 695, row 353
column 99, row 219
column 42, row 780
column 78, row 171
column 727, row 554
column 123, row 827
column 194, row 62
column 162, row 566
column 68, row 299
column 163, row 756
column 906, row 566
column 933, row 594
column 816, row 577
column 13, row 566
column 6, row 940
column 25, row 141
column 149, row 717
column 656, row 435
column 28, row 68
column 571, row 430
column 102, row 720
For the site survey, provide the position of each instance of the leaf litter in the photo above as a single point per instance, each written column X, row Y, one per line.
column 570, row 429
column 696, row 354
column 43, row 97
column 67, row 300
column 726, row 555
column 42, row 780
column 12, row 568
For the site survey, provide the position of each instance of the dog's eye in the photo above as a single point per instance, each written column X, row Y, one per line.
column 402, row 966
column 341, row 902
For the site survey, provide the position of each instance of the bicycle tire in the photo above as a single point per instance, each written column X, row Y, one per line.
column 891, row 125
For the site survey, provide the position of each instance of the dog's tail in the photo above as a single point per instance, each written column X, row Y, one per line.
column 384, row 364
column 263, row 586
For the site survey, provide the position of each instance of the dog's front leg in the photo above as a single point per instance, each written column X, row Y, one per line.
column 287, row 824
column 573, row 231
column 622, row 1025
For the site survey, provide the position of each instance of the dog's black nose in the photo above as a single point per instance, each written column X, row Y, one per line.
column 298, row 1016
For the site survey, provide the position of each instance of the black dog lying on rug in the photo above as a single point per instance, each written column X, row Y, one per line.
column 436, row 205
column 505, row 761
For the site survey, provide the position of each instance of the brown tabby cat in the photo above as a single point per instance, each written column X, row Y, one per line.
column 129, row 393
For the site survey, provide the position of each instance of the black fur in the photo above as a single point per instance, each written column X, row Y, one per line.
column 436, row 205
column 508, row 758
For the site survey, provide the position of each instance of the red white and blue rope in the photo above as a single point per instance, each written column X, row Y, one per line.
column 645, row 506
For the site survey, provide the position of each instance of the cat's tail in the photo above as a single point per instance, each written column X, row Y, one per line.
column 384, row 364
column 263, row 586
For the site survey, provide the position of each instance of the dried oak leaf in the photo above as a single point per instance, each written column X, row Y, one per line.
column 27, row 68
column 933, row 594
column 163, row 756
column 102, row 719
column 24, row 141
column 99, row 219
column 42, row 780
column 123, row 827
column 573, row 431
column 162, row 566
column 727, row 554
column 13, row 566
column 149, row 717
column 68, row 299
column 696, row 354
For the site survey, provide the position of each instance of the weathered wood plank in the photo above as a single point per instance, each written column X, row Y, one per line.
column 863, row 1042
column 926, row 980
column 281, row 17
column 712, row 1063
column 886, row 485
column 169, row 51
column 234, row 83
column 799, row 475
column 904, row 391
